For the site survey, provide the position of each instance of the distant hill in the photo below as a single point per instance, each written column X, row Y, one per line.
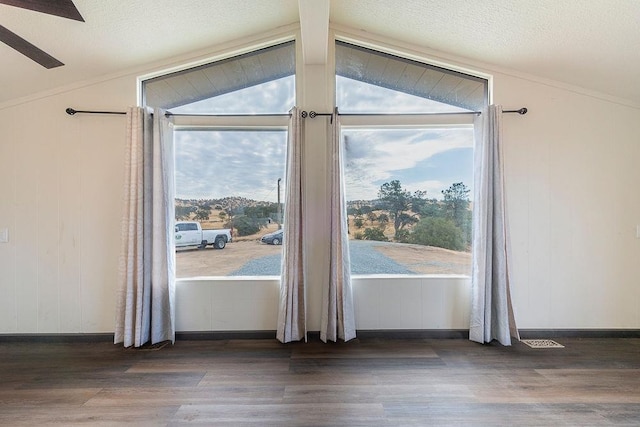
column 234, row 202
column 226, row 203
column 358, row 204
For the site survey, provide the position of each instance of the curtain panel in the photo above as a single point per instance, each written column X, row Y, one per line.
column 292, row 307
column 492, row 316
column 146, row 285
column 338, row 318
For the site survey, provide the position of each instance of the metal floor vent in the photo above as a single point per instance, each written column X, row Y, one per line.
column 542, row 344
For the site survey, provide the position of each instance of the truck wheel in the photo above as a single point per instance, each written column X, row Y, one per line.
column 220, row 243
column 276, row 241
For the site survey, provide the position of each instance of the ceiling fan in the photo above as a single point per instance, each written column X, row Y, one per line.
column 62, row 8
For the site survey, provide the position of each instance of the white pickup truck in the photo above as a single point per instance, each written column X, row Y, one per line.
column 190, row 233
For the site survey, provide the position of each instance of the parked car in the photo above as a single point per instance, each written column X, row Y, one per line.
column 274, row 238
column 190, row 233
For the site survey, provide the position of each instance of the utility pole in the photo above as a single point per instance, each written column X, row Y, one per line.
column 279, row 213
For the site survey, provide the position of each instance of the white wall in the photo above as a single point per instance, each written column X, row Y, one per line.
column 570, row 174
column 60, row 198
column 573, row 213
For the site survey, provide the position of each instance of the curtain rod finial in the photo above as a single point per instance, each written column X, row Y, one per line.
column 70, row 111
column 523, row 110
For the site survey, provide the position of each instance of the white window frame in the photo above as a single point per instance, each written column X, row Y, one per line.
column 259, row 122
column 401, row 121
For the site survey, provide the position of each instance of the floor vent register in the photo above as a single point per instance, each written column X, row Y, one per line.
column 542, row 344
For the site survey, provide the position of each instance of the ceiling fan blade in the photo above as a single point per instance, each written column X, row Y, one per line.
column 13, row 40
column 63, row 8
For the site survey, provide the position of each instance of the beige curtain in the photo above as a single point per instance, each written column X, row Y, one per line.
column 292, row 308
column 492, row 316
column 338, row 320
column 146, row 291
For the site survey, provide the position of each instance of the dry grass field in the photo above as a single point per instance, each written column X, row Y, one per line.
column 214, row 262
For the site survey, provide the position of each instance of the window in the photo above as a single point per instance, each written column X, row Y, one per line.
column 229, row 171
column 408, row 178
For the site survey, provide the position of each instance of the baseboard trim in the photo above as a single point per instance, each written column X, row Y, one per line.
column 57, row 338
column 224, row 335
column 315, row 335
column 578, row 333
column 413, row 333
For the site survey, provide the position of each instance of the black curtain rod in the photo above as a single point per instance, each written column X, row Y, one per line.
column 70, row 111
column 311, row 114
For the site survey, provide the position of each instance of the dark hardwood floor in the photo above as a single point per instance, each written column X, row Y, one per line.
column 366, row 382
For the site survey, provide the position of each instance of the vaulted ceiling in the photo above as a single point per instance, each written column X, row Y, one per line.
column 592, row 44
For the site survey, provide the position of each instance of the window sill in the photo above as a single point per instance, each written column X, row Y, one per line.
column 357, row 277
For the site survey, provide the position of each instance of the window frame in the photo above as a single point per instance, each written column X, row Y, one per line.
column 402, row 121
column 231, row 122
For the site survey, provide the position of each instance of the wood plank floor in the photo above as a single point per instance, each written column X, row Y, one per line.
column 366, row 382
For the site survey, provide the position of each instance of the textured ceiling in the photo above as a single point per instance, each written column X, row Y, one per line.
column 594, row 44
column 119, row 35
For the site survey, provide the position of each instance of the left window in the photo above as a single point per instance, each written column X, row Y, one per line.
column 229, row 169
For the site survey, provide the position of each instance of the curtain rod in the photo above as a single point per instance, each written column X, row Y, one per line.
column 313, row 114
column 304, row 114
column 70, row 111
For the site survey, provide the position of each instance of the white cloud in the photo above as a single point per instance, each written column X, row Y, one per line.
column 215, row 164
column 432, row 187
column 354, row 96
column 376, row 156
column 277, row 96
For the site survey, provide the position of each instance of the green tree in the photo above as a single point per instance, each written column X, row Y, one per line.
column 432, row 208
column 222, row 215
column 254, row 211
column 456, row 207
column 202, row 214
column 439, row 232
column 184, row 212
column 399, row 202
column 402, row 236
column 365, row 210
column 418, row 200
column 383, row 219
column 374, row 234
column 372, row 217
column 244, row 225
column 358, row 222
column 261, row 211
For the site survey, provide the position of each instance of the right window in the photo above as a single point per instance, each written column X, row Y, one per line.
column 408, row 181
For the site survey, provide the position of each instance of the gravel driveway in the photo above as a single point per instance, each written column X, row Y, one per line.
column 365, row 259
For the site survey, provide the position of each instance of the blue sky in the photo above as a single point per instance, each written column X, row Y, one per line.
column 216, row 164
